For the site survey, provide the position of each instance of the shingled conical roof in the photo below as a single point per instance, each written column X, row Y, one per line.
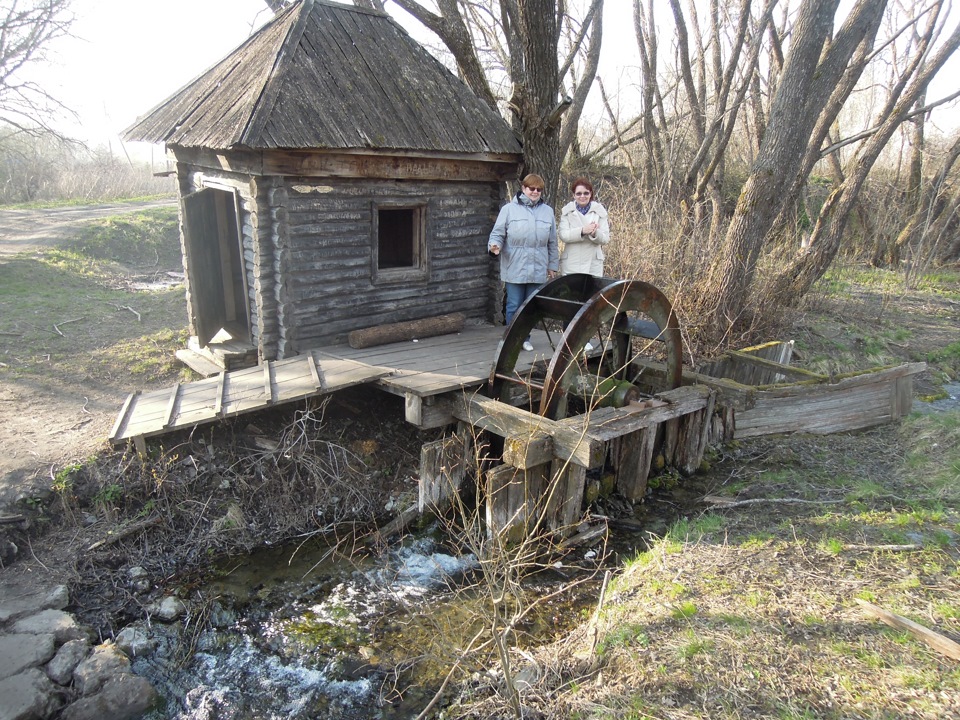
column 329, row 76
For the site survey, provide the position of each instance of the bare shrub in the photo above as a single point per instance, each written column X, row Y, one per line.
column 48, row 169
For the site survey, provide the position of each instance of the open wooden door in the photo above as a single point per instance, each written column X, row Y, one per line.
column 215, row 265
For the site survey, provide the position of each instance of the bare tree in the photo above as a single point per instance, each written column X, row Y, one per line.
column 27, row 27
column 827, row 234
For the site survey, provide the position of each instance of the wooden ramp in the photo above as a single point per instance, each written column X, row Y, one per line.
column 238, row 391
column 416, row 370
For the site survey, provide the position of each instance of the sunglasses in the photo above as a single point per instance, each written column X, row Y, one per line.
column 582, row 194
column 533, row 189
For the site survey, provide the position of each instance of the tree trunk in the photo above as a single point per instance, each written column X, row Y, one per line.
column 789, row 126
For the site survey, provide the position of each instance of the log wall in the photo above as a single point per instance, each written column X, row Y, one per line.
column 325, row 259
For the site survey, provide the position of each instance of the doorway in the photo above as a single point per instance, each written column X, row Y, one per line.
column 218, row 283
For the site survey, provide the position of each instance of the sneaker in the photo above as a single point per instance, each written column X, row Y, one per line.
column 527, row 346
column 588, row 347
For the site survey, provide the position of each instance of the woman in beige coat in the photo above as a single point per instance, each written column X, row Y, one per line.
column 584, row 231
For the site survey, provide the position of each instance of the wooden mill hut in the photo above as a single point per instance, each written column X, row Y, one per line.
column 333, row 176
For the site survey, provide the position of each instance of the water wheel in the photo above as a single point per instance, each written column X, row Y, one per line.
column 621, row 317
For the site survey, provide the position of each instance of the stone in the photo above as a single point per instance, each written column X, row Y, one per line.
column 17, row 600
column 28, row 695
column 168, row 609
column 139, row 579
column 135, row 641
column 123, row 697
column 70, row 654
column 105, row 662
column 19, row 652
column 63, row 625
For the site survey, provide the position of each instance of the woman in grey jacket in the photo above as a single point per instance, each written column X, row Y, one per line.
column 525, row 238
column 584, row 231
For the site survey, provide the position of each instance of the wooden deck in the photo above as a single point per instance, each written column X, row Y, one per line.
column 415, row 370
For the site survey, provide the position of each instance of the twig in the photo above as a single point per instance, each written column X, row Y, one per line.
column 65, row 322
column 126, row 532
column 592, row 627
column 938, row 642
column 11, row 334
column 11, row 519
column 72, row 427
column 725, row 503
column 126, row 307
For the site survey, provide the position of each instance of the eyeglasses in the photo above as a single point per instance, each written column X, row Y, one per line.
column 582, row 194
column 532, row 189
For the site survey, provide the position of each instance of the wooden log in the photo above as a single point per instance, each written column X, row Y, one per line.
column 398, row 332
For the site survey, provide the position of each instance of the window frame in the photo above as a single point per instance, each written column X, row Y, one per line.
column 419, row 270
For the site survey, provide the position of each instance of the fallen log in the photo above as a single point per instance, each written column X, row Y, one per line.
column 410, row 330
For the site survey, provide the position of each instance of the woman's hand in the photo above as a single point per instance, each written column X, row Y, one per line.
column 589, row 228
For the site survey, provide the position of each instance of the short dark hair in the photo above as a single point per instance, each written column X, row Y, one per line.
column 581, row 181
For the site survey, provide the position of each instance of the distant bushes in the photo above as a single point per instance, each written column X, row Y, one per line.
column 47, row 169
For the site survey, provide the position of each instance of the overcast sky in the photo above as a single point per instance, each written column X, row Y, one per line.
column 125, row 58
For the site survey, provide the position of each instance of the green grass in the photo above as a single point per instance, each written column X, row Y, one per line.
column 70, row 310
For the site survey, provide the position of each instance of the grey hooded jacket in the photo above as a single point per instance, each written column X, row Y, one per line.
column 527, row 238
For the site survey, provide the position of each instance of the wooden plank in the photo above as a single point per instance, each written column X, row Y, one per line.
column 124, row 415
column 605, row 424
column 633, row 455
column 514, row 500
column 528, row 450
column 443, row 467
column 775, row 368
column 172, row 406
column 564, row 503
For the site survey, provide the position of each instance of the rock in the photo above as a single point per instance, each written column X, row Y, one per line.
column 28, row 695
column 19, row 652
column 139, row 579
column 123, row 697
column 71, row 654
column 105, row 662
column 16, row 600
column 168, row 609
column 63, row 625
column 135, row 641
column 8, row 551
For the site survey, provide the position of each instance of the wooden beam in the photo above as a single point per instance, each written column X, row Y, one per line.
column 315, row 372
column 221, row 391
column 940, row 643
column 605, row 424
column 569, row 443
column 267, row 383
column 785, row 370
column 171, row 411
column 123, row 416
column 527, row 451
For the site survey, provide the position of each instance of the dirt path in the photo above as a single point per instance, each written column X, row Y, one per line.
column 26, row 230
column 47, row 422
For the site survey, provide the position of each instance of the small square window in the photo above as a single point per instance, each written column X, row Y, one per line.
column 399, row 243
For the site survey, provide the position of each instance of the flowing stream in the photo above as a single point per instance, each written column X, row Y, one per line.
column 305, row 632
